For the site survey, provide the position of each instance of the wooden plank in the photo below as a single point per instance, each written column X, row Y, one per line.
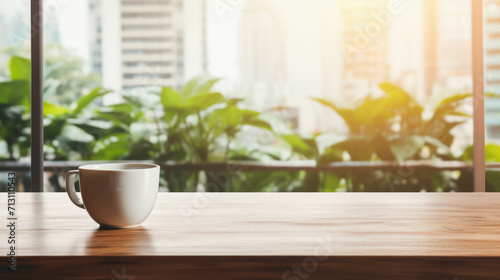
column 255, row 267
column 264, row 235
column 375, row 224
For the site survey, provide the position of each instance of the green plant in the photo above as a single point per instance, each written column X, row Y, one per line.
column 69, row 134
column 15, row 108
column 200, row 124
column 63, row 133
column 392, row 127
column 492, row 154
column 64, row 78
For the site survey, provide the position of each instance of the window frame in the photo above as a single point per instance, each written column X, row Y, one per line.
column 36, row 25
column 478, row 96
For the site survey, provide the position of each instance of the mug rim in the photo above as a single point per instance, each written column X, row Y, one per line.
column 119, row 167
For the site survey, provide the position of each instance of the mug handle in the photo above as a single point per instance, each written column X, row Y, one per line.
column 70, row 189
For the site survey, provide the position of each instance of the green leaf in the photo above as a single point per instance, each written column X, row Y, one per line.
column 333, row 153
column 97, row 128
column 171, row 98
column 124, row 108
column 348, row 115
column 52, row 128
column 358, row 148
column 15, row 93
column 87, row 99
column 196, row 87
column 296, row 142
column 249, row 113
column 114, row 147
column 305, row 147
column 230, row 116
column 20, row 68
column 75, row 134
column 189, row 89
column 492, row 153
column 405, row 148
column 327, row 103
column 257, row 123
column 332, row 182
column 203, row 101
column 450, row 106
column 120, row 120
column 52, row 109
column 206, row 87
column 11, row 115
column 451, row 101
column 120, row 114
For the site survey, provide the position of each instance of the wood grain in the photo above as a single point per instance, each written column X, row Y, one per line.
column 263, row 235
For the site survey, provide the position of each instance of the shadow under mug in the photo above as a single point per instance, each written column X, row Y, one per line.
column 117, row 195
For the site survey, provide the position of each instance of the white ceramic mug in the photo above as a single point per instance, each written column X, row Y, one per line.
column 116, row 194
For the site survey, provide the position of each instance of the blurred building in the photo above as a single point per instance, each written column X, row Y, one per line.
column 262, row 52
column 492, row 67
column 146, row 43
column 492, row 45
column 365, row 45
column 454, row 59
column 95, row 36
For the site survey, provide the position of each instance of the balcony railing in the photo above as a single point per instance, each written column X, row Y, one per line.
column 55, row 172
column 359, row 166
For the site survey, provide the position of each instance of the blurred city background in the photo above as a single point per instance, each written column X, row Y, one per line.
column 297, row 63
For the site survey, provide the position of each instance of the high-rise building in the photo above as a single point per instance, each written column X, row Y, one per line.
column 492, row 45
column 95, row 36
column 365, row 45
column 454, row 59
column 430, row 48
column 262, row 55
column 492, row 67
column 145, row 43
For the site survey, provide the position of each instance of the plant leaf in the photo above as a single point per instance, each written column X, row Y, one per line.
column 52, row 109
column 204, row 100
column 257, row 123
column 206, row 87
column 15, row 93
column 116, row 146
column 305, row 147
column 87, row 99
column 170, row 98
column 331, row 181
column 20, row 68
column 405, row 148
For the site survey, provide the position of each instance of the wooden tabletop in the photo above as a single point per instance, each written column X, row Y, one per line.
column 263, row 235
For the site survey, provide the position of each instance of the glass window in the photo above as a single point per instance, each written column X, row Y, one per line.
column 15, row 77
column 492, row 87
column 307, row 96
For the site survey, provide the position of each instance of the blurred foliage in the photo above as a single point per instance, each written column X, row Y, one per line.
column 198, row 124
column 492, row 154
column 64, row 78
column 15, row 108
column 392, row 127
